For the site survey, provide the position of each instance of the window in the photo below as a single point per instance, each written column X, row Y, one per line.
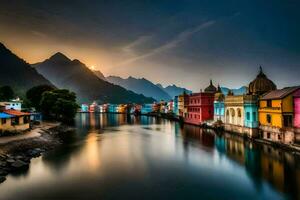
column 269, row 118
column 268, row 135
column 288, row 120
column 3, row 121
column 279, row 137
column 269, row 103
column 248, row 116
column 254, row 116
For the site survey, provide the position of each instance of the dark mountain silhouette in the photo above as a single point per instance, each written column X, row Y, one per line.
column 140, row 86
column 76, row 76
column 174, row 90
column 18, row 74
column 99, row 74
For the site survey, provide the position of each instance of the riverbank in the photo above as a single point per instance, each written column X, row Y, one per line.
column 17, row 151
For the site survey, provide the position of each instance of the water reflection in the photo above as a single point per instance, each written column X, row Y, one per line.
column 159, row 159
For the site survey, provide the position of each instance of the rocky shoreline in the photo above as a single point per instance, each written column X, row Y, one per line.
column 15, row 156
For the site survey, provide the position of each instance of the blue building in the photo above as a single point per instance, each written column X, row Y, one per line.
column 219, row 106
column 84, row 107
column 175, row 106
column 112, row 108
column 146, row 108
column 251, row 111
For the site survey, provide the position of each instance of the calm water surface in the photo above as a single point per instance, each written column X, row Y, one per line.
column 120, row 157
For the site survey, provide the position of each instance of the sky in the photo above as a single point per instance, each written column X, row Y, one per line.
column 182, row 42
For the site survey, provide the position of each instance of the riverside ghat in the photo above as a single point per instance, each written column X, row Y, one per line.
column 263, row 113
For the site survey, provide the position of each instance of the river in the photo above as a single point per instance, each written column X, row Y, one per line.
column 114, row 156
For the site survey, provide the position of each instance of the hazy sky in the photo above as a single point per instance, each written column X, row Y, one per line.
column 183, row 42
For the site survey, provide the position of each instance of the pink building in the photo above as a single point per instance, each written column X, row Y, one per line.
column 200, row 108
column 297, row 109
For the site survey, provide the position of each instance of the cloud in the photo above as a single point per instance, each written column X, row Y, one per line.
column 180, row 38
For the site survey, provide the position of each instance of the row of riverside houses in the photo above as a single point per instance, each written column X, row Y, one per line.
column 12, row 118
column 264, row 112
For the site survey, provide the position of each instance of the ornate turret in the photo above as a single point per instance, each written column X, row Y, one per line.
column 261, row 84
column 211, row 88
column 219, row 96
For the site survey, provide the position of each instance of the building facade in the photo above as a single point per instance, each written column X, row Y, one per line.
column 276, row 115
column 18, row 121
column 200, row 107
column 241, row 115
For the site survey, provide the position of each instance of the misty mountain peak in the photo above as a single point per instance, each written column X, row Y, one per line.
column 59, row 57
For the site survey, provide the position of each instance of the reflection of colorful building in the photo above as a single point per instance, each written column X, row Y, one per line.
column 276, row 114
column 201, row 106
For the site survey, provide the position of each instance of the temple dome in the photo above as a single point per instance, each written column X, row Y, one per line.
column 261, row 84
column 211, row 88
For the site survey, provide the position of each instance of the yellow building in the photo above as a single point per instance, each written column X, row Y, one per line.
column 13, row 120
column 276, row 110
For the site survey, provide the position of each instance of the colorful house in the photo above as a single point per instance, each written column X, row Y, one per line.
column 175, row 106
column 15, row 104
column 15, row 120
column 297, row 110
column 146, row 108
column 84, row 107
column 241, row 112
column 112, row 108
column 219, row 106
column 276, row 115
column 183, row 100
column 94, row 107
column 201, row 106
column 170, row 106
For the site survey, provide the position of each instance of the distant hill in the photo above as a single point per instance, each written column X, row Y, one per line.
column 17, row 73
column 239, row 91
column 76, row 76
column 99, row 74
column 174, row 90
column 140, row 86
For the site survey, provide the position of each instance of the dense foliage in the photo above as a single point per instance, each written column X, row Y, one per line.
column 59, row 104
column 34, row 95
column 6, row 93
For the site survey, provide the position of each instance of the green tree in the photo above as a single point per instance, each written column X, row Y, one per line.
column 59, row 104
column 6, row 93
column 34, row 95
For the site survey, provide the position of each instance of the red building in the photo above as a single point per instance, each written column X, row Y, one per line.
column 201, row 106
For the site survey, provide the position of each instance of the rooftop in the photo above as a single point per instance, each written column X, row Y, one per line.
column 15, row 112
column 5, row 116
column 279, row 94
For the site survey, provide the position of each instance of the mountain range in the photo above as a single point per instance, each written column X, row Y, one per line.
column 76, row 76
column 17, row 73
column 174, row 90
column 140, row 86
